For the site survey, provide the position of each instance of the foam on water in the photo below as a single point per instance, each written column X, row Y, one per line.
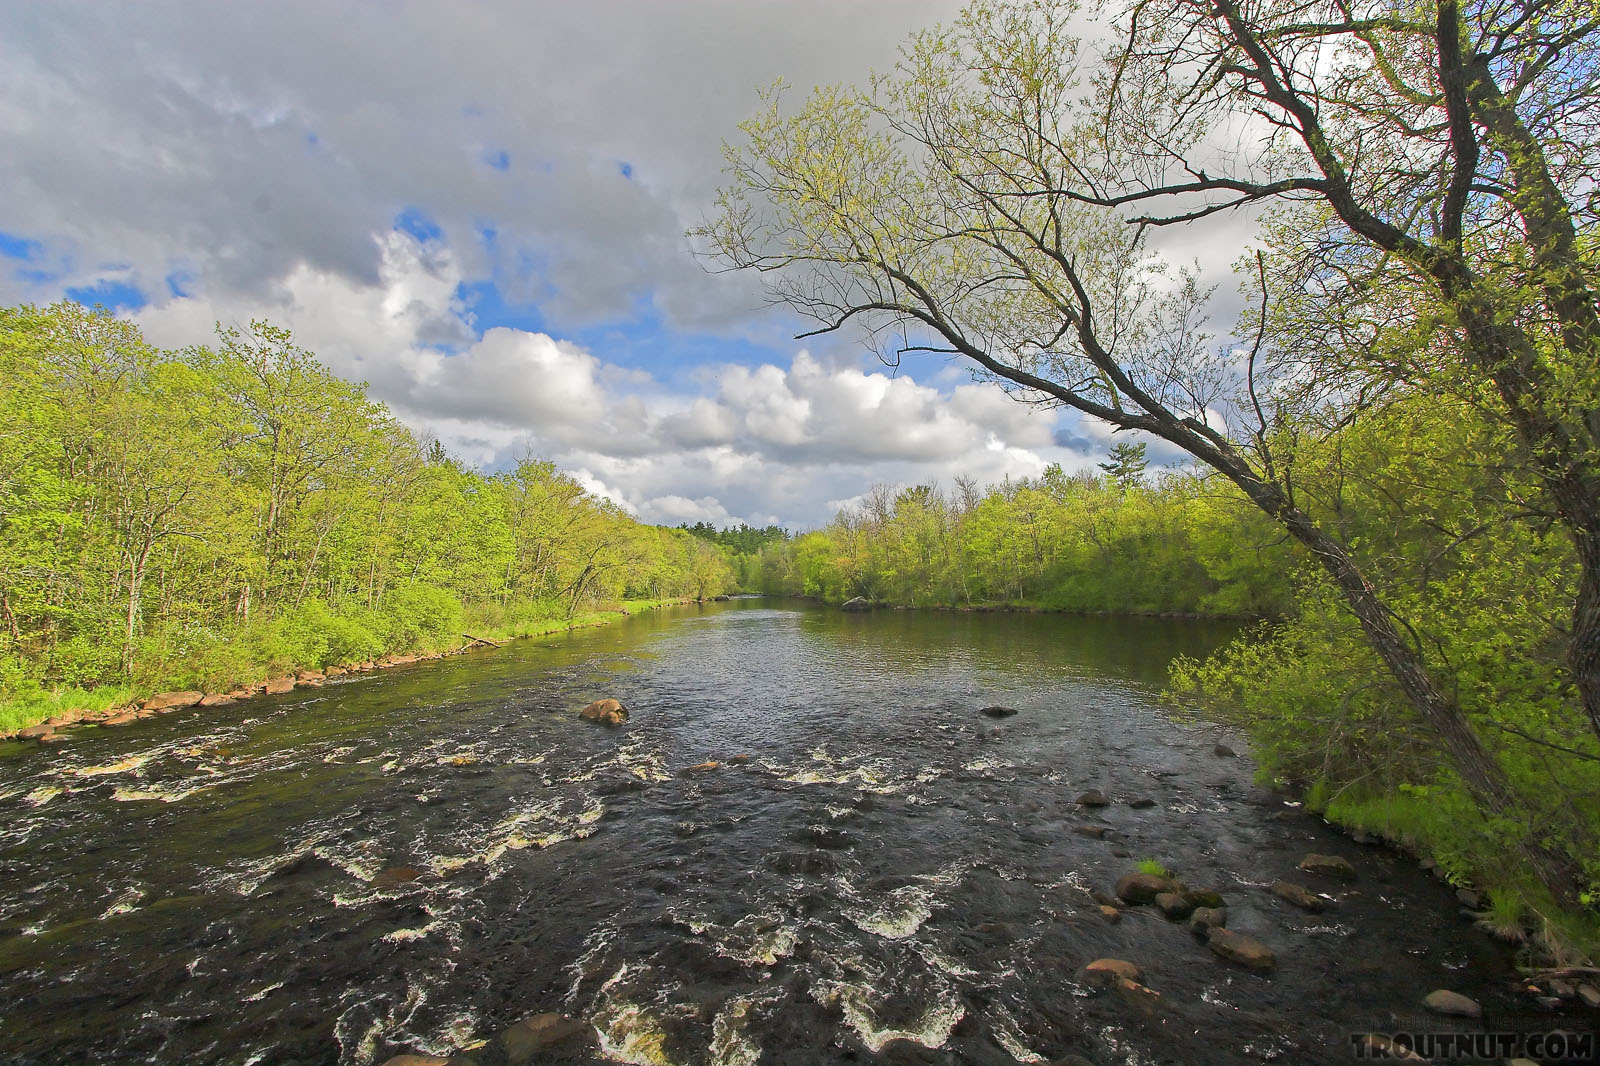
column 930, row 1030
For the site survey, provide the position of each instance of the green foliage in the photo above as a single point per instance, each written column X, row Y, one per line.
column 1071, row 543
column 1153, row 868
column 212, row 516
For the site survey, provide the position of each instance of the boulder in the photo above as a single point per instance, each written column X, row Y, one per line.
column 335, row 671
column 1102, row 973
column 278, row 685
column 1444, row 1001
column 303, row 676
column 860, row 603
column 215, row 699
column 122, row 718
column 700, row 768
column 1175, row 905
column 34, row 732
column 543, row 1033
column 1110, row 914
column 999, row 712
column 1328, row 866
column 1142, row 803
column 1096, row 832
column 1223, row 751
column 171, row 701
column 1244, row 950
column 1093, row 798
column 53, row 738
column 1144, row 888
column 1470, row 898
column 1299, row 895
column 606, row 712
column 1204, row 918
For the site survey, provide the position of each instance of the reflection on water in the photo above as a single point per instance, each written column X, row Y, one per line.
column 414, row 859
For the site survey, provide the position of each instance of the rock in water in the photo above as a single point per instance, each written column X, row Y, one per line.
column 1445, row 1001
column 606, row 712
column 860, row 603
column 1222, row 751
column 1102, row 973
column 1299, row 895
column 999, row 712
column 545, row 1033
column 1144, row 888
column 1328, row 866
column 1175, row 905
column 1204, row 918
column 1236, row 947
column 700, row 768
column 1093, row 798
column 415, row 1060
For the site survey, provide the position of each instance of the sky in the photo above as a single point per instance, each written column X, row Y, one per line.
column 479, row 209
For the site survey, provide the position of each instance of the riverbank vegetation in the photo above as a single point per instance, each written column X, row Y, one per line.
column 1178, row 545
column 1409, row 396
column 205, row 517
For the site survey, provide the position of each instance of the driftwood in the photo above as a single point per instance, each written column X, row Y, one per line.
column 473, row 642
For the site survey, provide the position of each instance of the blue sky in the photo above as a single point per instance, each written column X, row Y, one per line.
column 481, row 212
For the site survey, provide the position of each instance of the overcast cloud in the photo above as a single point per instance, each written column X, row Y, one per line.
column 478, row 209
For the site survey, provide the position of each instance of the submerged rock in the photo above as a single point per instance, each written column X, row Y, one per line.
column 606, row 712
column 1096, row 832
column 1236, row 947
column 999, row 712
column 1328, row 866
column 1204, row 897
column 1299, row 895
column 544, row 1033
column 1444, row 1001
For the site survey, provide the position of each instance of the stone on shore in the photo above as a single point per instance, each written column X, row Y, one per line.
column 860, row 603
column 171, row 701
column 1328, row 866
column 216, row 699
column 1444, row 1001
column 606, row 712
column 1299, row 895
column 122, row 718
column 278, row 685
column 1236, row 947
column 34, row 732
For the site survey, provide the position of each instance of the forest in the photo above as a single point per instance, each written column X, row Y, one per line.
column 208, row 516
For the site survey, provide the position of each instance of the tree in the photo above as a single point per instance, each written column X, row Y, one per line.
column 993, row 199
column 1127, row 464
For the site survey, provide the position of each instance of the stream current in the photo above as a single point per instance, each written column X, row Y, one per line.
column 415, row 859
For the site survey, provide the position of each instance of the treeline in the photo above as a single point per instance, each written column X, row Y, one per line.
column 203, row 516
column 1177, row 544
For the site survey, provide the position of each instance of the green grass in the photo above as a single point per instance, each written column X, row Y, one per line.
column 20, row 710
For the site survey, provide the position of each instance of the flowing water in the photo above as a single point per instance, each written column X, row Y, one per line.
column 211, row 886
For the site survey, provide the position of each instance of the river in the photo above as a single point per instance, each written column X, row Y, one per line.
column 413, row 859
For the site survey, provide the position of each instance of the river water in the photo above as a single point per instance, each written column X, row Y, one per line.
column 210, row 886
